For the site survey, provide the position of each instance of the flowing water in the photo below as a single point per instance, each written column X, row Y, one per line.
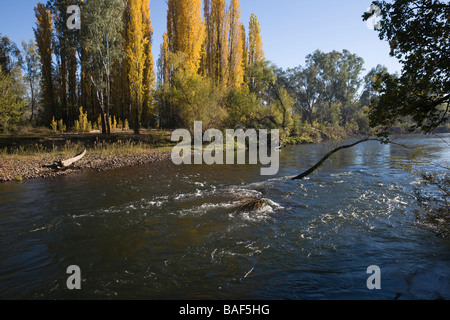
column 176, row 232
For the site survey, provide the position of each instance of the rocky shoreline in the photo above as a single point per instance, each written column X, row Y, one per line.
column 36, row 167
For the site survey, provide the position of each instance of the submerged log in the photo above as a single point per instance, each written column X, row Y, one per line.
column 251, row 204
column 63, row 165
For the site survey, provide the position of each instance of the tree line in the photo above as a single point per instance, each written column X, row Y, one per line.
column 211, row 68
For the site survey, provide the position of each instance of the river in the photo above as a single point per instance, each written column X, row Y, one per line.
column 175, row 232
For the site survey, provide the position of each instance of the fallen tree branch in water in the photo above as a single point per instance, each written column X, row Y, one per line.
column 325, row 158
column 329, row 154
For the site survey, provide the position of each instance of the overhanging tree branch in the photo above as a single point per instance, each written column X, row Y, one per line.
column 328, row 155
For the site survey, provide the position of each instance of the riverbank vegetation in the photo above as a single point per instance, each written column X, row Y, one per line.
column 214, row 71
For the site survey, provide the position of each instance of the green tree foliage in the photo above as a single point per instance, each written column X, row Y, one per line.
column 11, row 62
column 102, row 38
column 305, row 85
column 327, row 88
column 241, row 107
column 12, row 89
column 192, row 98
column 273, row 107
column 370, row 81
column 418, row 32
column 340, row 81
column 278, row 99
column 10, row 56
column 350, row 68
column 11, row 104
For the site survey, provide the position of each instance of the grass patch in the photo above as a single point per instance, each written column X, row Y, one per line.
column 38, row 146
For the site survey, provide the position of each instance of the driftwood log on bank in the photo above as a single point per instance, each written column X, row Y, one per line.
column 63, row 165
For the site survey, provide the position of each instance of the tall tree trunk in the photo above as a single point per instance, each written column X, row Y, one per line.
column 63, row 71
column 102, row 110
column 108, row 94
column 136, row 122
column 310, row 118
column 32, row 101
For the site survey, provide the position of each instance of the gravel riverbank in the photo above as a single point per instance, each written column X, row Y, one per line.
column 20, row 168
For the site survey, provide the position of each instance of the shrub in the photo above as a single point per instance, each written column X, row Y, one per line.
column 76, row 127
column 83, row 121
column 61, row 126
column 54, row 125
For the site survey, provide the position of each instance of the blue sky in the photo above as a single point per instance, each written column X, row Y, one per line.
column 291, row 29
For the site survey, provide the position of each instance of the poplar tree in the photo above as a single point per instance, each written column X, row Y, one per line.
column 236, row 46
column 223, row 29
column 217, row 30
column 216, row 41
column 44, row 40
column 255, row 52
column 135, row 50
column 255, row 45
column 163, row 81
column 120, row 85
column 58, row 8
column 149, row 72
column 185, row 31
column 207, row 49
column 163, row 62
column 244, row 45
